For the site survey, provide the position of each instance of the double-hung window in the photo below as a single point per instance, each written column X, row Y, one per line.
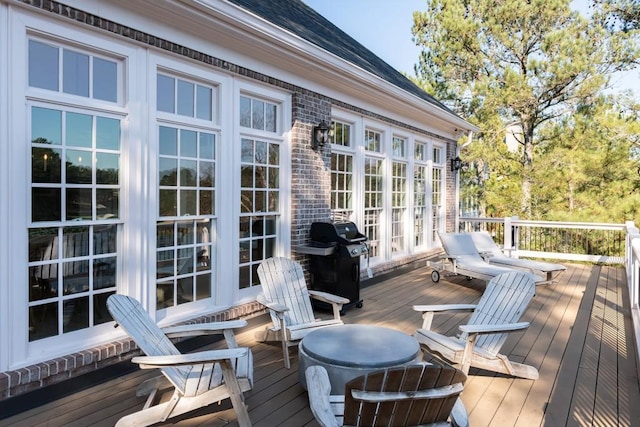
column 260, row 168
column 437, row 191
column 186, row 181
column 341, row 171
column 420, row 193
column 373, row 190
column 75, row 186
column 398, row 194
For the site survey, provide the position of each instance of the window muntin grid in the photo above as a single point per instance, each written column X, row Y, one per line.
column 420, row 215
column 186, row 185
column 75, row 201
column 183, row 261
column 62, row 69
column 340, row 133
column 186, row 172
column 259, row 205
column 436, row 199
column 398, row 147
column 372, row 141
column 373, row 202
column 398, row 205
column 341, row 186
column 184, row 97
column 258, row 114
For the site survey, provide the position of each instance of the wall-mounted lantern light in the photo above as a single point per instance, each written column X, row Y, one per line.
column 456, row 164
column 321, row 135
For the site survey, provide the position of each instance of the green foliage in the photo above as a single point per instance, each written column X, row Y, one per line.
column 539, row 67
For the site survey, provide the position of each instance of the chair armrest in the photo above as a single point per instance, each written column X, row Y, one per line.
column 278, row 308
column 335, row 301
column 319, row 389
column 445, row 307
column 151, row 362
column 492, row 329
column 327, row 297
column 212, row 328
column 429, row 310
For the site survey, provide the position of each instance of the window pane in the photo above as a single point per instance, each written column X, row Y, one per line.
column 75, row 73
column 245, row 111
column 207, row 174
column 104, row 273
column 76, row 314
column 168, row 172
column 207, row 146
column 185, row 98
column 100, row 312
column 188, row 143
column 203, row 106
column 104, row 239
column 188, row 173
column 107, row 133
column 43, row 244
column 257, row 115
column 105, row 80
column 164, row 233
column 45, row 165
column 79, row 204
column 270, row 118
column 78, row 130
column 188, row 202
column 107, row 203
column 46, row 204
column 107, row 168
column 78, row 167
column 168, row 203
column 43, row 66
column 168, row 141
column 46, row 126
column 165, row 93
column 43, row 321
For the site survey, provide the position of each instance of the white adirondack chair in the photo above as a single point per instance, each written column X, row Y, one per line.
column 419, row 394
column 490, row 251
column 285, row 293
column 498, row 312
column 199, row 379
column 462, row 257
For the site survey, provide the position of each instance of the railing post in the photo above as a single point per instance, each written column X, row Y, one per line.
column 508, row 243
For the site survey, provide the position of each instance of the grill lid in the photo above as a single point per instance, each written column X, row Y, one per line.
column 340, row 232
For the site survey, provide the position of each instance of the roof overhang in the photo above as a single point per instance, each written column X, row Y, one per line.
column 229, row 32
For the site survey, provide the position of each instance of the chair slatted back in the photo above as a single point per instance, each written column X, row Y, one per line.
column 504, row 300
column 132, row 317
column 409, row 412
column 283, row 282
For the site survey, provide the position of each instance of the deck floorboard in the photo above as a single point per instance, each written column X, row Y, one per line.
column 580, row 339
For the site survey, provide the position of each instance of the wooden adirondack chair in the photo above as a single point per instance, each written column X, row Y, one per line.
column 419, row 394
column 462, row 257
column 498, row 312
column 199, row 379
column 490, row 251
column 285, row 293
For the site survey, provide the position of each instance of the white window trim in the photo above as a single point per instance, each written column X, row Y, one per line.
column 242, row 87
column 20, row 351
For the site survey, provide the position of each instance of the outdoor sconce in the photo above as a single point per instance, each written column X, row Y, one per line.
column 321, row 134
column 456, row 164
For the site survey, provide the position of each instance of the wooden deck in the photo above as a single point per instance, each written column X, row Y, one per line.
column 579, row 339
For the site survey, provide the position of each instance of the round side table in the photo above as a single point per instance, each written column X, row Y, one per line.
column 348, row 351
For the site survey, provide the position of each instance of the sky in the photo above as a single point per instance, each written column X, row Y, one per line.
column 384, row 27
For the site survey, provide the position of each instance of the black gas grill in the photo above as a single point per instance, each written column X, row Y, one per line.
column 335, row 250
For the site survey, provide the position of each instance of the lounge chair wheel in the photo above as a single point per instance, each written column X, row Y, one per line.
column 435, row 276
column 359, row 304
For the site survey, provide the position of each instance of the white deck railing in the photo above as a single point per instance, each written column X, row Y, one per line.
column 571, row 241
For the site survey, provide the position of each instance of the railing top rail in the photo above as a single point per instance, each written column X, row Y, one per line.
column 551, row 224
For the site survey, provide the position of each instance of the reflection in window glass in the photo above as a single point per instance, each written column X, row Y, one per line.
column 185, row 98
column 82, row 74
column 165, row 94
column 245, row 111
column 105, row 80
column 204, row 101
column 45, row 165
column 372, row 141
column 79, row 132
column 340, row 133
column 258, row 114
column 46, row 126
column 107, row 133
column 75, row 76
column 43, row 66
